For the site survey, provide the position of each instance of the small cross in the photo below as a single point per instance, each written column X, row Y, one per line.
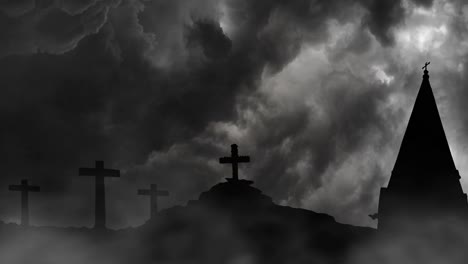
column 235, row 159
column 425, row 66
column 99, row 172
column 153, row 193
column 24, row 188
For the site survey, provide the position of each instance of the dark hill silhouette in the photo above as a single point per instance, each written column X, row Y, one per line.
column 234, row 220
column 235, row 193
column 239, row 220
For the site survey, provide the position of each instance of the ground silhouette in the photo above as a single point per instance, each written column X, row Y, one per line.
column 234, row 220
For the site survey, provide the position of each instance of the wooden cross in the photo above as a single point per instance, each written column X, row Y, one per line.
column 425, row 66
column 24, row 188
column 100, row 203
column 153, row 193
column 235, row 159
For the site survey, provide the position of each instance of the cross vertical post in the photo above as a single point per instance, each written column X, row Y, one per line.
column 234, row 159
column 153, row 193
column 24, row 188
column 99, row 172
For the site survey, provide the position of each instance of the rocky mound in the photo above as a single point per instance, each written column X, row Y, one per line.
column 235, row 193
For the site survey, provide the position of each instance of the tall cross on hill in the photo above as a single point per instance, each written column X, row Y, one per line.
column 235, row 159
column 24, row 188
column 153, row 193
column 100, row 207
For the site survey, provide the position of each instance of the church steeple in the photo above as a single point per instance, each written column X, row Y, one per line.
column 424, row 150
column 424, row 180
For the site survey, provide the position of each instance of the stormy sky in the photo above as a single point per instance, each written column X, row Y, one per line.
column 318, row 93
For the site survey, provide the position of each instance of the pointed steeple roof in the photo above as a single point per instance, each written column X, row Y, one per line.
column 424, row 155
column 424, row 182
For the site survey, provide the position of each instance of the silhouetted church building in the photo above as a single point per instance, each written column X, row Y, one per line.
column 424, row 183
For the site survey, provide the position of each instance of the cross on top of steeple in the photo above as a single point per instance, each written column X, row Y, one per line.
column 425, row 65
column 426, row 72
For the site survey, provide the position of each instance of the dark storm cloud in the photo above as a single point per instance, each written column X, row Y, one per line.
column 16, row 8
column 27, row 26
column 424, row 3
column 383, row 16
column 210, row 37
column 118, row 80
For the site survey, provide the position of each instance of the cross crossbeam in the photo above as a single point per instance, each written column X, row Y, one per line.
column 153, row 193
column 234, row 159
column 99, row 172
column 24, row 188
